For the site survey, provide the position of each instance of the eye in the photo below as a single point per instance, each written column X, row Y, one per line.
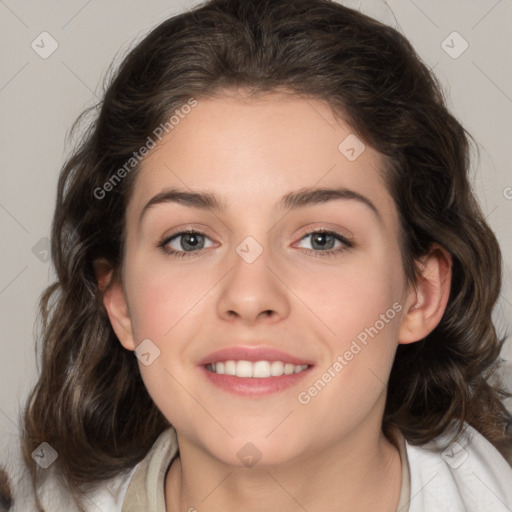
column 186, row 243
column 181, row 244
column 324, row 242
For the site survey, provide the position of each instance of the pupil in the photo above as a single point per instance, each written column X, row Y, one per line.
column 190, row 240
column 320, row 239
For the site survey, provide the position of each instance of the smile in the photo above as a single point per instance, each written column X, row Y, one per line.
column 254, row 370
column 257, row 370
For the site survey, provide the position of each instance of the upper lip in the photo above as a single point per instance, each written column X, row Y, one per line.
column 253, row 354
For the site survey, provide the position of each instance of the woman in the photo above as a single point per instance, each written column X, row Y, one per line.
column 349, row 375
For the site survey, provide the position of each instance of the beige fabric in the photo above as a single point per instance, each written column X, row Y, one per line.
column 405, row 491
column 146, row 489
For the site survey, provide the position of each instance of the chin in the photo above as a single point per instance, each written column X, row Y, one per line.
column 254, row 450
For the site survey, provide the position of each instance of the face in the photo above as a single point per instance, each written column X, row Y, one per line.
column 307, row 285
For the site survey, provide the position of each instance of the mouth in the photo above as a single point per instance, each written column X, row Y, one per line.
column 257, row 370
column 253, row 371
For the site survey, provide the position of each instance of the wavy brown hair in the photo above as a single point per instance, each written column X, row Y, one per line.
column 371, row 76
column 5, row 492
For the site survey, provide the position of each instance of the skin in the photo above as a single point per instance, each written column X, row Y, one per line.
column 328, row 454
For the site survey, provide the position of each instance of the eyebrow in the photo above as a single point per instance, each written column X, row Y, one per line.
column 291, row 201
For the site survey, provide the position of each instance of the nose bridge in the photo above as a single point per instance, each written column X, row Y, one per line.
column 251, row 289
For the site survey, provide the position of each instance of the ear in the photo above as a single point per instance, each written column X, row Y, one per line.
column 115, row 302
column 426, row 303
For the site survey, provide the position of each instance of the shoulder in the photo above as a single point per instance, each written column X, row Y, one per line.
column 108, row 496
column 467, row 475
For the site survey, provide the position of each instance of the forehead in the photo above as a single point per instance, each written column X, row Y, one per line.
column 253, row 150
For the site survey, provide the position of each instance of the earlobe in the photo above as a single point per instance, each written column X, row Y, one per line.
column 115, row 303
column 427, row 302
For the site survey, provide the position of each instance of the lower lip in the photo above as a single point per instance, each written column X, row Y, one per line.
column 250, row 386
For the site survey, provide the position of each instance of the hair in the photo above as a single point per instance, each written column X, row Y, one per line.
column 370, row 75
column 5, row 492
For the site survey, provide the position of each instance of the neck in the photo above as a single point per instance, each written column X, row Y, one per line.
column 359, row 472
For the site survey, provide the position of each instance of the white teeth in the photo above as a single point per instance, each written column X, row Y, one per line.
column 276, row 368
column 288, row 369
column 258, row 370
column 261, row 369
column 243, row 369
column 230, row 367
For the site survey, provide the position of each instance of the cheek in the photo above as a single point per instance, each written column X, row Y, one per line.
column 361, row 305
column 353, row 297
column 362, row 309
column 161, row 295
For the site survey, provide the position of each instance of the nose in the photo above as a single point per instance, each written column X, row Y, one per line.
column 253, row 292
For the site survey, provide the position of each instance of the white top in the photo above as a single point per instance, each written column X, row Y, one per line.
column 469, row 475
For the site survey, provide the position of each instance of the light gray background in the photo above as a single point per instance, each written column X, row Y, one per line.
column 40, row 98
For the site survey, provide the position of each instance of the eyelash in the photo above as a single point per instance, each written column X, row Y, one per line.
column 322, row 254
